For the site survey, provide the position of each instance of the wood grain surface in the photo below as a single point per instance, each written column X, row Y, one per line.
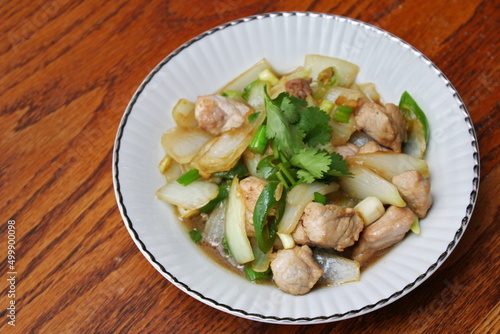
column 67, row 72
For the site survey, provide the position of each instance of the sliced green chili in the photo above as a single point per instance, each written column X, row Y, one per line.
column 222, row 195
column 238, row 170
column 265, row 229
column 411, row 109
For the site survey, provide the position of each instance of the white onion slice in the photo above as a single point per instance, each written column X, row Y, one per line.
column 182, row 144
column 366, row 183
column 388, row 164
column 336, row 269
column 193, row 196
column 346, row 71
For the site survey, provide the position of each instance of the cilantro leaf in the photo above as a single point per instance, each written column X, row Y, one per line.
column 287, row 136
column 312, row 162
column 305, row 176
column 314, row 122
column 338, row 166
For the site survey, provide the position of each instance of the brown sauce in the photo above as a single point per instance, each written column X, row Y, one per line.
column 217, row 254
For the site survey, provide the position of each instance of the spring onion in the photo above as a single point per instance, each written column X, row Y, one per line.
column 195, row 236
column 235, row 95
column 253, row 275
column 189, row 177
column 415, row 227
column 319, row 198
column 268, row 76
column 326, row 106
column 259, row 141
column 342, row 114
column 165, row 163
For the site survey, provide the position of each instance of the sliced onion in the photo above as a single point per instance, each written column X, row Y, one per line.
column 222, row 152
column 346, row 71
column 370, row 91
column 235, row 231
column 389, row 164
column 297, row 200
column 183, row 114
column 182, row 144
column 214, row 227
column 359, row 138
column 336, row 269
column 415, row 144
column 333, row 93
column 341, row 132
column 247, row 77
column 251, row 160
column 366, row 183
column 192, row 196
column 262, row 260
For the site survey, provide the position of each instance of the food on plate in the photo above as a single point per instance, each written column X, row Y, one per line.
column 301, row 179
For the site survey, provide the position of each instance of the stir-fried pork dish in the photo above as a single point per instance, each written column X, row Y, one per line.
column 301, row 179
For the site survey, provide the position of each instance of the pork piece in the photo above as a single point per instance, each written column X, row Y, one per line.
column 371, row 147
column 385, row 232
column 346, row 150
column 295, row 271
column 251, row 187
column 328, row 226
column 217, row 114
column 386, row 125
column 415, row 190
column 299, row 87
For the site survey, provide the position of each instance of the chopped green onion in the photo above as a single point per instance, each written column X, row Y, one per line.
column 253, row 275
column 342, row 114
column 195, row 235
column 225, row 246
column 326, row 106
column 189, row 177
column 319, row 198
column 268, row 76
column 233, row 94
column 259, row 141
column 415, row 227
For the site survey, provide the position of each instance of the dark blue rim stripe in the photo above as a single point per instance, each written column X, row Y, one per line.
column 352, row 313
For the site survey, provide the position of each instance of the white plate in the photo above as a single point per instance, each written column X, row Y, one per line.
column 206, row 63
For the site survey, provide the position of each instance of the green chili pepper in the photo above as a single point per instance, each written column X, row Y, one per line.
column 222, row 195
column 238, row 170
column 253, row 275
column 265, row 229
column 411, row 109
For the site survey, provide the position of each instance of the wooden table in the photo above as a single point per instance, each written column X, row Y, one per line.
column 67, row 72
